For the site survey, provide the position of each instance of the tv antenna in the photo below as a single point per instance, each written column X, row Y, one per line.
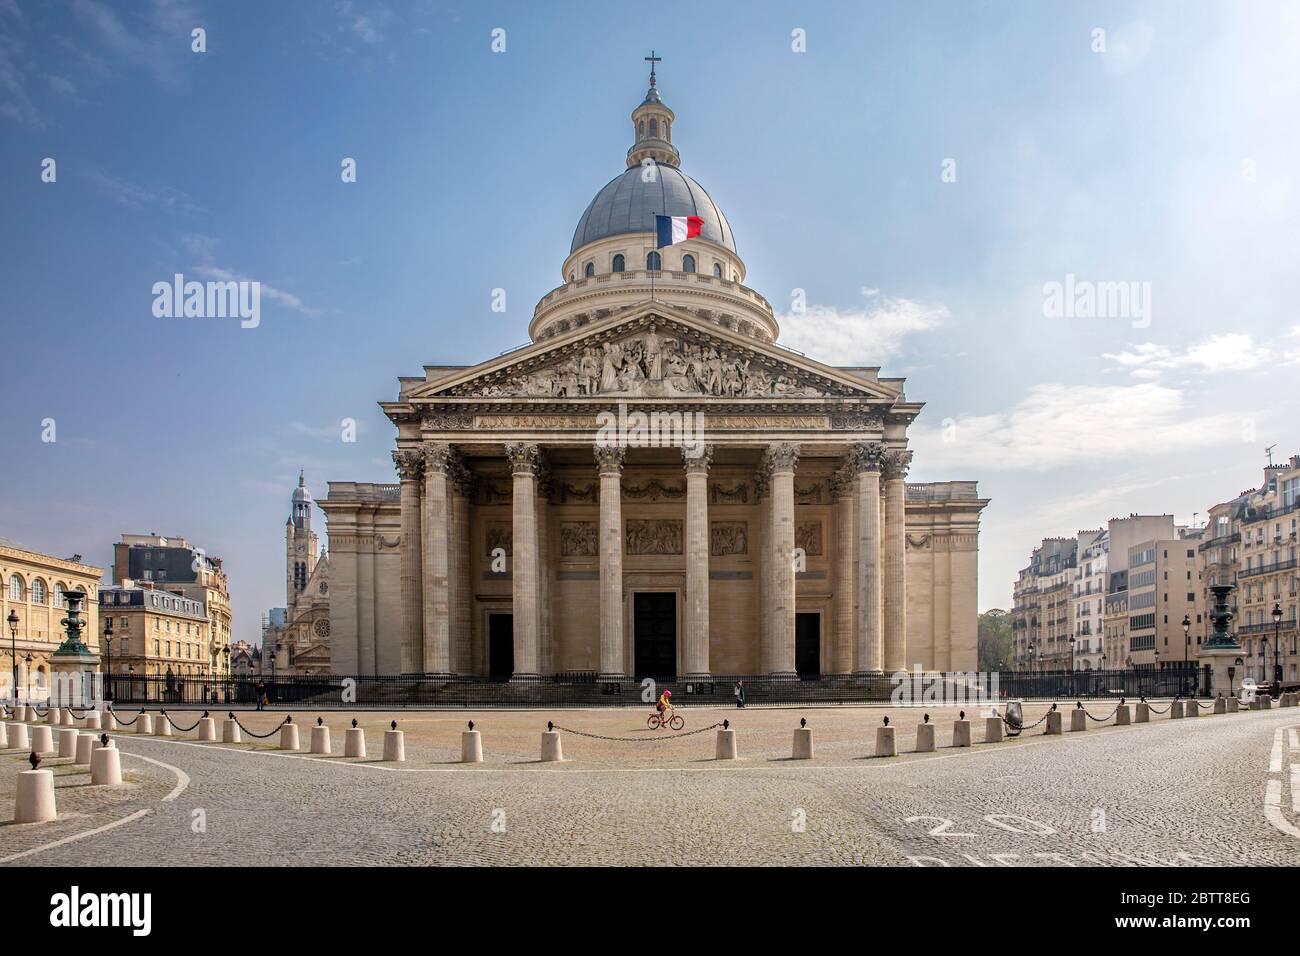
column 1269, row 451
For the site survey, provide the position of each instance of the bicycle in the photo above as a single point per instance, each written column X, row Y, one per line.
column 656, row 721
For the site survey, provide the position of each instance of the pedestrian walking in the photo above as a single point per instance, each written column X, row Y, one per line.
column 261, row 694
column 740, row 693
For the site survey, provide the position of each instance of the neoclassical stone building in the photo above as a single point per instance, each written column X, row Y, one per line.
column 653, row 486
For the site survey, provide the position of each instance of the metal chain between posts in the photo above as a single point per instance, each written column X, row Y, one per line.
column 125, row 723
column 1021, row 728
column 73, row 711
column 1200, row 706
column 270, row 733
column 636, row 740
column 39, row 712
column 1102, row 720
column 9, row 711
column 1153, row 709
column 185, row 730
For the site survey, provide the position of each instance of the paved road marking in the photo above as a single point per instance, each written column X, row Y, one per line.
column 1273, row 809
column 1275, row 758
column 1295, row 788
column 182, row 778
column 77, row 836
column 1295, row 740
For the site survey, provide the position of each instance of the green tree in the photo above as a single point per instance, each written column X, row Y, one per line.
column 994, row 639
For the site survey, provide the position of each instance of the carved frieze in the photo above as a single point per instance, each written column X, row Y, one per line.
column 728, row 537
column 437, row 419
column 808, row 535
column 499, row 536
column 918, row 541
column 653, row 536
column 579, row 539
column 811, row 494
column 654, row 490
column 737, row 494
column 587, row 493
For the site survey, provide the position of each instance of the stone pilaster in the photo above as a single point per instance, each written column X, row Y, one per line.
column 697, row 559
column 763, row 496
column 895, row 465
column 461, row 566
column 523, row 466
column 436, row 527
column 410, row 472
column 843, row 495
column 784, row 458
column 866, row 462
column 609, row 466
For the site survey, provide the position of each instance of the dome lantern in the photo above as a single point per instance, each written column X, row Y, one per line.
column 652, row 127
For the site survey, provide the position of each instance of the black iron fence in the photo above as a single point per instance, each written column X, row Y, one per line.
column 584, row 690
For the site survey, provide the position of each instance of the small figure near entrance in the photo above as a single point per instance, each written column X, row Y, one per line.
column 740, row 694
column 260, row 690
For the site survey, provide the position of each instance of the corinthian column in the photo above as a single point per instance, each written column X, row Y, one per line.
column 866, row 465
column 763, row 497
column 523, row 466
column 843, row 491
column 783, row 459
column 697, row 559
column 410, row 472
column 895, row 464
column 609, row 466
column 459, row 561
column 436, row 528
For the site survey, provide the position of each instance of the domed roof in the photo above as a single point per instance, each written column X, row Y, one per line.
column 628, row 204
column 301, row 493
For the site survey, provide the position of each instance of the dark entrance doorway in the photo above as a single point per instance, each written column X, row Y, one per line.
column 654, row 629
column 501, row 646
column 808, row 645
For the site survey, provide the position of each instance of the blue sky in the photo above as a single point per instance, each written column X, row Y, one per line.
column 1169, row 159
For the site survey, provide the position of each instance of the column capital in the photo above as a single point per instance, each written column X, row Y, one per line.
column 523, row 457
column 409, row 464
column 895, row 463
column 438, row 457
column 609, row 459
column 465, row 481
column 782, row 456
column 866, row 457
column 697, row 459
column 842, row 483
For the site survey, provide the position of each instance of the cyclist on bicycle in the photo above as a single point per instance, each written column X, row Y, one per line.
column 665, row 706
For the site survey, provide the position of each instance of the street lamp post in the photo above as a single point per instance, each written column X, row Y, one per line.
column 108, row 655
column 1263, row 660
column 1277, row 648
column 1187, row 639
column 28, row 661
column 130, row 681
column 12, row 621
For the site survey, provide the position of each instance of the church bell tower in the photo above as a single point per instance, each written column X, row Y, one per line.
column 300, row 544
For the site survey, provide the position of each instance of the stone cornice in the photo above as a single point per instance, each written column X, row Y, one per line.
column 50, row 562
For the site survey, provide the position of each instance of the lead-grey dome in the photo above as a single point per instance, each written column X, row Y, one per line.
column 628, row 204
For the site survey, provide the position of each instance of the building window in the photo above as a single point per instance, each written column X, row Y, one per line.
column 16, row 589
column 717, row 270
column 38, row 591
column 653, row 262
column 619, row 263
column 589, row 270
column 688, row 263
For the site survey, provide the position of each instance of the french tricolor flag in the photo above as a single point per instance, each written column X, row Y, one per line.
column 674, row 229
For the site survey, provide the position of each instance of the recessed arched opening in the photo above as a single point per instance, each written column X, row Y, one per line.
column 619, row 263
column 688, row 263
column 590, row 270
column 717, row 270
column 653, row 262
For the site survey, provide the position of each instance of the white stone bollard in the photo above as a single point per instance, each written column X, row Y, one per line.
column 92, row 720
column 1234, row 704
column 1176, row 710
column 1078, row 720
column 471, row 746
column 1123, row 716
column 1191, row 708
column 230, row 731
column 354, row 743
column 289, row 737
column 34, row 801
column 552, row 749
column 1143, row 715
column 802, row 748
column 4, row 736
column 68, row 741
column 18, row 737
column 1053, row 723
column 207, row 729
column 1220, row 705
column 726, row 748
column 320, row 739
column 992, row 730
column 163, row 727
column 29, row 714
column 144, row 724
column 42, row 739
column 108, row 721
column 54, row 717
column 885, row 742
column 395, row 746
column 67, row 719
column 961, row 733
column 924, row 738
column 85, row 747
column 106, row 766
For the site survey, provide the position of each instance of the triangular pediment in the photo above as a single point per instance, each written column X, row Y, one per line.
column 653, row 351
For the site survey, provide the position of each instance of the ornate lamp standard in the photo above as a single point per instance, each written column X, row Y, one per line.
column 1277, row 648
column 28, row 678
column 12, row 621
column 108, row 655
column 130, row 681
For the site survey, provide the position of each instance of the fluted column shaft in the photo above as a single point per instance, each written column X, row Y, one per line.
column 609, row 464
column 436, row 528
column 697, row 560
column 523, row 467
column 410, row 469
column 460, row 565
column 543, row 512
column 866, row 464
column 846, row 623
column 783, row 458
column 763, row 493
column 895, row 560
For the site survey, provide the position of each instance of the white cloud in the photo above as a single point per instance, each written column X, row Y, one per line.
column 1231, row 352
column 204, row 248
column 865, row 336
column 142, row 197
column 1058, row 425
